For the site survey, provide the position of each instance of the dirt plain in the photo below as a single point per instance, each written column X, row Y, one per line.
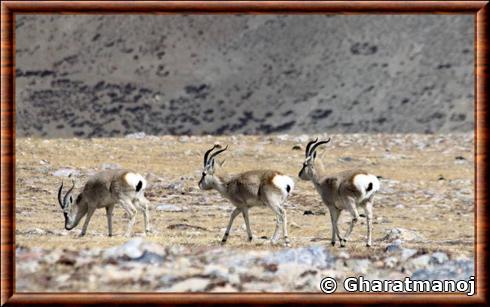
column 426, row 187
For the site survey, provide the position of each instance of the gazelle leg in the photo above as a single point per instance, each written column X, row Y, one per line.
column 280, row 221
column 351, row 206
column 285, row 226
column 276, row 230
column 369, row 216
column 131, row 211
column 143, row 205
column 247, row 223
column 108, row 211
column 90, row 212
column 336, row 226
column 232, row 218
column 334, row 215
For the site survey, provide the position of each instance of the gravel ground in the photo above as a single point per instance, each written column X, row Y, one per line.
column 423, row 215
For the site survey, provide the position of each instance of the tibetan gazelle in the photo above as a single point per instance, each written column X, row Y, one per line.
column 104, row 190
column 346, row 190
column 249, row 189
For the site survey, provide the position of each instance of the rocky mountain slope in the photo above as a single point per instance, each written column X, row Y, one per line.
column 90, row 76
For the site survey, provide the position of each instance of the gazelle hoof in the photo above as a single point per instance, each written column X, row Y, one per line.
column 250, row 239
column 342, row 242
column 368, row 245
column 333, row 243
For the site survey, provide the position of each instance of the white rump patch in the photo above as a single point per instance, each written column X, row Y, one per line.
column 362, row 183
column 282, row 182
column 133, row 179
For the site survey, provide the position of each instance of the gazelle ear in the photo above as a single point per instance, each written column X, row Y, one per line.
column 221, row 163
column 314, row 155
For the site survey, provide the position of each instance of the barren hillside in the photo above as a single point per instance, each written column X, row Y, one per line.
column 102, row 76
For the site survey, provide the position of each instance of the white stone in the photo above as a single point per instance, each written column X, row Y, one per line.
column 66, row 172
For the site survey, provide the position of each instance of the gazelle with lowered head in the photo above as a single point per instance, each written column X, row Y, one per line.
column 347, row 190
column 106, row 189
column 249, row 189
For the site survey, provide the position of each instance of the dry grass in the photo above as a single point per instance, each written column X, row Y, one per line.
column 429, row 205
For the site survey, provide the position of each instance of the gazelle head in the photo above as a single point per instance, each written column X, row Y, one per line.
column 308, row 172
column 67, row 200
column 207, row 179
column 66, row 203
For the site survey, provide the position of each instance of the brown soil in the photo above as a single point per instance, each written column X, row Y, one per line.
column 426, row 186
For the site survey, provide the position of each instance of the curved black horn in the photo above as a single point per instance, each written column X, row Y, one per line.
column 68, row 193
column 59, row 195
column 218, row 152
column 207, row 154
column 318, row 144
column 307, row 151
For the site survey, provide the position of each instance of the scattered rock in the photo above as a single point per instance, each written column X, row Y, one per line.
column 216, row 271
column 105, row 166
column 66, row 172
column 297, row 147
column 136, row 135
column 390, row 262
column 67, row 259
column 175, row 186
column 35, row 231
column 312, row 256
column 183, row 226
column 460, row 160
column 451, row 270
column 439, row 258
column 129, row 250
column 224, row 289
column 271, row 267
column 141, row 264
column 190, row 285
column 402, row 234
column 308, row 212
column 395, row 246
column 150, row 258
column 184, row 139
column 169, row 208
column 360, row 266
column 420, row 261
column 407, row 253
column 345, row 159
column 343, row 255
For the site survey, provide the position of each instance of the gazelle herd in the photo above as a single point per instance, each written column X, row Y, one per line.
column 348, row 190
